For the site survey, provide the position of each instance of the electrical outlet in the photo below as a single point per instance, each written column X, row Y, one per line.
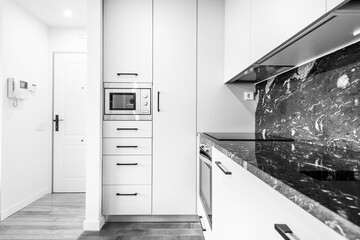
column 249, row 96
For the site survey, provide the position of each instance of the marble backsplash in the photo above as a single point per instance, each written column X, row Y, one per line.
column 318, row 102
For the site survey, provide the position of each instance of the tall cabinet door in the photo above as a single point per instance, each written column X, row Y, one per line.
column 128, row 40
column 174, row 120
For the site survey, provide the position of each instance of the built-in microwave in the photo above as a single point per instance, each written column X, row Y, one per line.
column 127, row 101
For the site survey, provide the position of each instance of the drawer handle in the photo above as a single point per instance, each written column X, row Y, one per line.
column 283, row 229
column 127, row 129
column 127, row 74
column 126, row 146
column 127, row 164
column 126, row 194
column 201, row 223
column 222, row 168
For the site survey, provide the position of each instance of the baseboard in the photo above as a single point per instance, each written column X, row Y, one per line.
column 94, row 225
column 152, row 218
column 20, row 205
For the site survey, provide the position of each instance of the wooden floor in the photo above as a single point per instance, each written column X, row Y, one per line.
column 146, row 231
column 55, row 216
column 61, row 216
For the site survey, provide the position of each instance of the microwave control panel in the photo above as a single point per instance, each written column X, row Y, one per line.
column 145, row 101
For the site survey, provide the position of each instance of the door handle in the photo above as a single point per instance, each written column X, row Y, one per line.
column 56, row 120
column 222, row 168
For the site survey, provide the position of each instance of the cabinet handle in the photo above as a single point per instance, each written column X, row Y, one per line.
column 222, row 168
column 127, row 164
column 201, row 224
column 158, row 101
column 126, row 194
column 127, row 74
column 126, row 146
column 283, row 229
column 127, row 129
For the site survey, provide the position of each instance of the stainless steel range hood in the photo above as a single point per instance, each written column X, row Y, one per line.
column 333, row 30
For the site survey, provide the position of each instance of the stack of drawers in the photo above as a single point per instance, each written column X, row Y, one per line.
column 127, row 167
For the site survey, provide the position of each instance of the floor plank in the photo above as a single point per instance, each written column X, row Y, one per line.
column 53, row 217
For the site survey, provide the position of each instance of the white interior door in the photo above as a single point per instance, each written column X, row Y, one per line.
column 69, row 133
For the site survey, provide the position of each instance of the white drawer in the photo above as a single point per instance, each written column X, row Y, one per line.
column 127, row 170
column 127, row 200
column 127, row 146
column 127, row 129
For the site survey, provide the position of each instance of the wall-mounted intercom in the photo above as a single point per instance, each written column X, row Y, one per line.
column 17, row 89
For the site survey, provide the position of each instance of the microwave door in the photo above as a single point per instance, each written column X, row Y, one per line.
column 122, row 101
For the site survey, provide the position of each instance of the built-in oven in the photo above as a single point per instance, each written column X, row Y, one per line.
column 205, row 180
column 127, row 101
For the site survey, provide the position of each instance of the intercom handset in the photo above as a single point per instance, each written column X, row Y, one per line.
column 17, row 89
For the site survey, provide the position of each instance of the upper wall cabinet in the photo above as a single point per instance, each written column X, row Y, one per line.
column 128, row 40
column 273, row 22
column 330, row 4
column 237, row 36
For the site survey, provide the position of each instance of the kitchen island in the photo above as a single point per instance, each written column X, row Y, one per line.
column 324, row 182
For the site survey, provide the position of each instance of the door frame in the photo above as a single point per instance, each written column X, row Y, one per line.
column 52, row 111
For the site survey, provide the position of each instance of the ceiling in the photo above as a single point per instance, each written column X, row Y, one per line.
column 53, row 12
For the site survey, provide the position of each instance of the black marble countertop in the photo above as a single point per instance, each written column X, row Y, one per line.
column 325, row 182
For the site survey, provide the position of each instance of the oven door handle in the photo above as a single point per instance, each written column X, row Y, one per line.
column 205, row 160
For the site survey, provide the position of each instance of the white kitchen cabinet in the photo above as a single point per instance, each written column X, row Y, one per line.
column 115, row 129
column 127, row 200
column 237, row 37
column 127, row 146
column 174, row 119
column 128, row 40
column 273, row 22
column 330, row 4
column 128, row 170
column 244, row 207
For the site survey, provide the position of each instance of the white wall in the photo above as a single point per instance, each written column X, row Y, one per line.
column 93, row 217
column 67, row 40
column 220, row 107
column 26, row 138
